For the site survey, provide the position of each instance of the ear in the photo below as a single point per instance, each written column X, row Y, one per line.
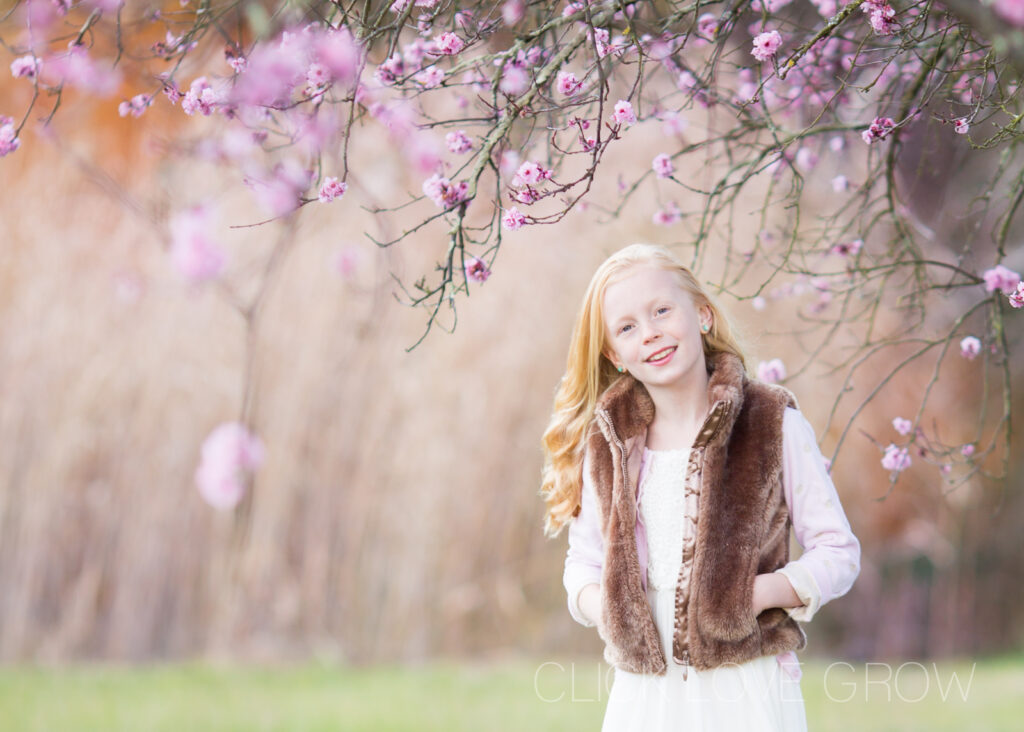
column 607, row 353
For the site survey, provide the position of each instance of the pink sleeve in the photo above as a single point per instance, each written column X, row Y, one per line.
column 585, row 557
column 831, row 558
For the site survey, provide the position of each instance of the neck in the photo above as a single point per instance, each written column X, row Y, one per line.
column 681, row 407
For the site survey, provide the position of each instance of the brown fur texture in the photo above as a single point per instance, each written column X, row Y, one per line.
column 742, row 526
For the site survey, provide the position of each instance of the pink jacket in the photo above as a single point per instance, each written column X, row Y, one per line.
column 831, row 558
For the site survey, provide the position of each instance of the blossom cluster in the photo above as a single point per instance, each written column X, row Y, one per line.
column 230, row 456
column 9, row 141
column 879, row 129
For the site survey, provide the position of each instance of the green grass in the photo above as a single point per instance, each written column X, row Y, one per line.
column 464, row 696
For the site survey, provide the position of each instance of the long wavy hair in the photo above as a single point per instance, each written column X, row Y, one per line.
column 588, row 372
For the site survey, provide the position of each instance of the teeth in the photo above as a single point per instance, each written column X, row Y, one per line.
column 660, row 354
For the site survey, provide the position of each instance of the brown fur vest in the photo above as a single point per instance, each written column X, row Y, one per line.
column 742, row 526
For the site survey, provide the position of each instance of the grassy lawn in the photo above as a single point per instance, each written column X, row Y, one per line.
column 523, row 695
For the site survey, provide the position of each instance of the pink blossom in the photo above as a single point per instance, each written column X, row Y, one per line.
column 806, row 159
column 623, row 113
column 1012, row 11
column 332, row 188
column 970, row 347
column 340, row 53
column 514, row 80
column 662, row 166
column 136, row 106
column 476, row 270
column 967, row 450
column 199, row 98
column 279, row 190
column 25, row 67
column 443, row 192
column 668, row 215
column 772, row 371
column 530, row 173
column 526, row 195
column 465, row 20
column 746, row 91
column 230, row 455
column 707, row 26
column 476, row 80
column 317, row 77
column 840, row 184
column 673, row 124
column 9, row 141
column 766, row 45
column 896, row 458
column 945, row 468
column 513, row 11
column 1017, row 297
column 770, row 6
column 513, row 220
column 390, row 70
column 879, row 129
column 903, row 426
column 236, row 62
column 448, row 44
column 836, row 144
column 508, row 163
column 106, row 5
column 458, row 142
column 194, row 253
column 961, row 126
column 414, row 52
column 686, row 81
column 77, row 68
column 759, row 303
column 827, row 8
column 172, row 92
column 273, row 71
column 431, row 77
column 346, row 261
column 397, row 118
column 567, row 83
column 880, row 16
column 1001, row 278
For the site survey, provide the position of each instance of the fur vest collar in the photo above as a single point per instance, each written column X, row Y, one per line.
column 742, row 526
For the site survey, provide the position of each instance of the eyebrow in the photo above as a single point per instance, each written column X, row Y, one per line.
column 649, row 303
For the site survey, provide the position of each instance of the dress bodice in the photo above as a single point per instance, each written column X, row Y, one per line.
column 669, row 509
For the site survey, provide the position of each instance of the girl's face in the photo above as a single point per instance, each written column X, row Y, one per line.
column 652, row 327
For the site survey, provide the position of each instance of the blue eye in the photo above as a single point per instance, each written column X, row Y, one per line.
column 624, row 328
column 663, row 309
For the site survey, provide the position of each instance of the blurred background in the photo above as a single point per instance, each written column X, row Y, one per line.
column 397, row 515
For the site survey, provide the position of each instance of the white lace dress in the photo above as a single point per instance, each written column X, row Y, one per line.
column 757, row 696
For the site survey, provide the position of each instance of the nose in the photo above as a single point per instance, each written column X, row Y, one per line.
column 651, row 332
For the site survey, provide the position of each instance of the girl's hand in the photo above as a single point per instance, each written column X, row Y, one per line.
column 590, row 603
column 773, row 590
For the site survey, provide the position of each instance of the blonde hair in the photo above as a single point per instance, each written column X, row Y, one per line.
column 588, row 372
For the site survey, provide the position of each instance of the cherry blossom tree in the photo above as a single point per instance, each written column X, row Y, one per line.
column 844, row 120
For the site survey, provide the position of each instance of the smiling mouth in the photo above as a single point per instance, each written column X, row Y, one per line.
column 660, row 355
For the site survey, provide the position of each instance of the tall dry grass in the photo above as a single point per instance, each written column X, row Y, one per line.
column 397, row 514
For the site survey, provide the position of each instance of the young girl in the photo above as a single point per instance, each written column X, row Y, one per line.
column 679, row 477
